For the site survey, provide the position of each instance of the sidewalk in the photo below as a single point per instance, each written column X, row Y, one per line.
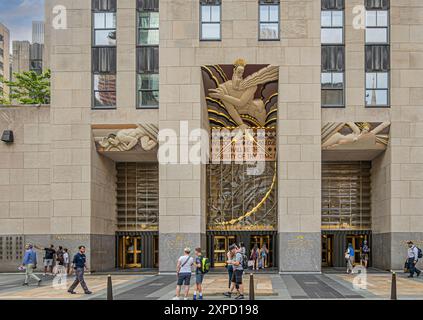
column 267, row 287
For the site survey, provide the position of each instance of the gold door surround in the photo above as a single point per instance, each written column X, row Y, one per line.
column 260, row 241
column 220, row 248
column 130, row 252
column 327, row 250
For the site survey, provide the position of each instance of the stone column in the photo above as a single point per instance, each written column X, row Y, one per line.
column 299, row 144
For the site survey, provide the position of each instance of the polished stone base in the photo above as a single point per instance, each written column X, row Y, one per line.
column 100, row 249
column 172, row 246
column 390, row 249
column 299, row 252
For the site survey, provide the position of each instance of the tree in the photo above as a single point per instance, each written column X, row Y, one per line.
column 30, row 87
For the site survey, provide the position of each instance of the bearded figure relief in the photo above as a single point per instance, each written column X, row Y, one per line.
column 127, row 139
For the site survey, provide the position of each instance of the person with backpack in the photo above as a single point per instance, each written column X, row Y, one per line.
column 202, row 267
column 183, row 271
column 349, row 257
column 413, row 256
column 254, row 256
column 237, row 263
column 364, row 257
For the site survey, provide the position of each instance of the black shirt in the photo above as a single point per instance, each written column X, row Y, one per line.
column 79, row 260
column 49, row 253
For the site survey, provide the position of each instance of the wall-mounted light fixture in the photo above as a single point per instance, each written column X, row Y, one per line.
column 7, row 136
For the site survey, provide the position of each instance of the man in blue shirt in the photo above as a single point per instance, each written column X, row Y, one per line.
column 79, row 264
column 30, row 263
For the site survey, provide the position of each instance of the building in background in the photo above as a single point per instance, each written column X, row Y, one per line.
column 38, row 32
column 21, row 56
column 341, row 107
column 4, row 56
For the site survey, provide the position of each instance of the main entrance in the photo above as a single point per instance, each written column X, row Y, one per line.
column 218, row 243
column 138, row 250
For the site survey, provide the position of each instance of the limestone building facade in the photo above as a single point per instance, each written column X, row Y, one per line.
column 348, row 125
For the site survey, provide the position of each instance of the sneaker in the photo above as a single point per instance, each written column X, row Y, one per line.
column 25, row 284
column 240, row 297
column 200, row 298
column 175, row 298
column 418, row 273
column 88, row 292
column 71, row 292
column 227, row 294
column 185, row 298
column 194, row 297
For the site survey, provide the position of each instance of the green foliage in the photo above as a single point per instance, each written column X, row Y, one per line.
column 30, row 88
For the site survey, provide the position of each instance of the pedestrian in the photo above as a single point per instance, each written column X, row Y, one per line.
column 349, row 257
column 59, row 267
column 412, row 258
column 48, row 259
column 242, row 248
column 79, row 264
column 365, row 252
column 236, row 262
column 229, row 267
column 183, row 271
column 30, row 263
column 199, row 274
column 254, row 256
column 263, row 255
column 66, row 263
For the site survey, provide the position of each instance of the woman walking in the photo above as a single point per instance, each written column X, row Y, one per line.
column 263, row 255
column 254, row 256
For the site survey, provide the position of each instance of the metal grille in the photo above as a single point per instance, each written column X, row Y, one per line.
column 346, row 196
column 137, row 196
column 240, row 201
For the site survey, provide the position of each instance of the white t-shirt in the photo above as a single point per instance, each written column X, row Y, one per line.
column 186, row 268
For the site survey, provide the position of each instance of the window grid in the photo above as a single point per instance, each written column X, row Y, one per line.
column 147, row 79
column 333, row 91
column 208, row 19
column 377, row 25
column 103, row 82
column 269, row 23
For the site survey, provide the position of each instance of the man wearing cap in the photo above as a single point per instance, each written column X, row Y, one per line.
column 183, row 271
column 412, row 258
column 30, row 263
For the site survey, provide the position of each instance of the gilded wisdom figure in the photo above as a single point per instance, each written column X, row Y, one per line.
column 238, row 93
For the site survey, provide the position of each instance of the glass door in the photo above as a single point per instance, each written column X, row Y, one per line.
column 327, row 250
column 357, row 242
column 262, row 241
column 130, row 252
column 220, row 249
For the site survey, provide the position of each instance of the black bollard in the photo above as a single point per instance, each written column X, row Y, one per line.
column 109, row 288
column 252, row 295
column 394, row 286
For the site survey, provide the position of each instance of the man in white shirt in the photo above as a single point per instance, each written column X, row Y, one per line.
column 66, row 260
column 413, row 257
column 183, row 271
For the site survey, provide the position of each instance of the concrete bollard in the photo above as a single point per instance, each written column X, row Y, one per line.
column 252, row 295
column 109, row 288
column 394, row 286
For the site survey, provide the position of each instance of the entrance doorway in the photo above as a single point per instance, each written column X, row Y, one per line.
column 130, row 252
column 260, row 241
column 220, row 248
column 327, row 250
column 357, row 242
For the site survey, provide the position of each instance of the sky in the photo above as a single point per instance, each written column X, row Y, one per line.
column 17, row 16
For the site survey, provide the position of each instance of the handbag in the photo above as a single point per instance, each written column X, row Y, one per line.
column 347, row 256
column 250, row 263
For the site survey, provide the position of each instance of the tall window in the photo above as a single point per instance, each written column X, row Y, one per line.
column 269, row 19
column 148, row 54
column 104, row 53
column 377, row 53
column 210, row 15
column 333, row 53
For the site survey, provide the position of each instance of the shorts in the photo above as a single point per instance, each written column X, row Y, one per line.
column 237, row 276
column 184, row 279
column 48, row 262
column 199, row 277
column 365, row 256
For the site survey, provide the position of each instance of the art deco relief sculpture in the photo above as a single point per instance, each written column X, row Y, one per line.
column 334, row 138
column 127, row 139
column 238, row 94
